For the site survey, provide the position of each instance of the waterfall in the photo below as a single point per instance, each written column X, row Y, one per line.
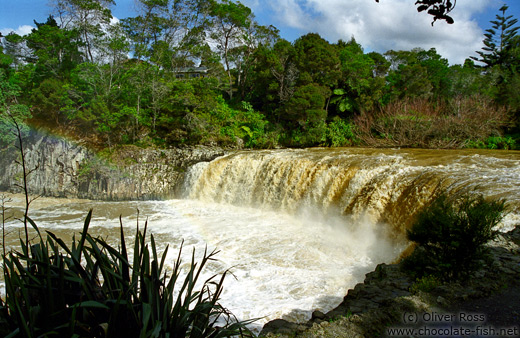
column 384, row 186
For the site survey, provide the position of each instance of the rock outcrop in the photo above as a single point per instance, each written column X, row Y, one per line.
column 66, row 169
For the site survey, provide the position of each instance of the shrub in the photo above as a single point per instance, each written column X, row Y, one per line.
column 450, row 235
column 91, row 289
column 225, row 125
column 341, row 133
column 426, row 124
column 493, row 142
column 425, row 284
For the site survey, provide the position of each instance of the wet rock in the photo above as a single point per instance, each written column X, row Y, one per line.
column 281, row 326
column 66, row 169
column 318, row 315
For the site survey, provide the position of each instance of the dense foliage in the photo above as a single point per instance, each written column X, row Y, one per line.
column 192, row 71
column 451, row 236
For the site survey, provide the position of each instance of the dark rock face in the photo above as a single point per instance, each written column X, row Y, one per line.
column 65, row 169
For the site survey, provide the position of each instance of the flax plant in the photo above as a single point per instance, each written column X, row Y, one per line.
column 91, row 289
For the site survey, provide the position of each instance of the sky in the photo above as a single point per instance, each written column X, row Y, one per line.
column 389, row 24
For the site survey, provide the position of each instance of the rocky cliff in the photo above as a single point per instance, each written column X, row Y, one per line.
column 66, row 169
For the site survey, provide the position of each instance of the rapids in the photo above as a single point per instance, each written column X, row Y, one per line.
column 297, row 228
column 380, row 185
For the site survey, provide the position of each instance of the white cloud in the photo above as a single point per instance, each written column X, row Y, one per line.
column 290, row 13
column 114, row 20
column 389, row 24
column 21, row 30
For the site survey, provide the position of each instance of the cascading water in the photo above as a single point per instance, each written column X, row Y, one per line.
column 298, row 228
column 388, row 186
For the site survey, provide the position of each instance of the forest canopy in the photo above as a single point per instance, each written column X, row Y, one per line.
column 206, row 72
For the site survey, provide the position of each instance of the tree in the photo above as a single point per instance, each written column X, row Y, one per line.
column 90, row 17
column 466, row 80
column 305, row 115
column 244, row 57
column 171, row 33
column 417, row 73
column 55, row 51
column 5, row 59
column 13, row 116
column 437, row 68
column 439, row 9
column 15, row 48
column 317, row 61
column 501, row 58
column 12, row 112
column 451, row 235
column 507, row 77
column 283, row 69
column 360, row 87
column 148, row 27
column 186, row 33
column 231, row 20
column 273, row 78
column 497, row 40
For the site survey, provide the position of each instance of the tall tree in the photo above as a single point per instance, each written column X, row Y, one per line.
column 231, row 20
column 148, row 27
column 417, row 73
column 497, row 39
column 244, row 57
column 55, row 50
column 170, row 33
column 317, row 60
column 15, row 47
column 13, row 114
column 274, row 77
column 90, row 17
column 360, row 86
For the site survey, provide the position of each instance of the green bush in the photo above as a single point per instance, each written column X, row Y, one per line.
column 91, row 289
column 425, row 284
column 493, row 142
column 450, row 236
column 341, row 133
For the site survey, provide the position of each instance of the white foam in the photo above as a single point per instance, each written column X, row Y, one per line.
column 285, row 266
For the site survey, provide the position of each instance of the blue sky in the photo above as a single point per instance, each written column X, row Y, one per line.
column 391, row 24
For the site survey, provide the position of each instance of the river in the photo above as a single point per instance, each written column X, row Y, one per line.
column 297, row 228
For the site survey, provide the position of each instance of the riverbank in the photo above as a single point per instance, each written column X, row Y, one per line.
column 62, row 168
column 389, row 300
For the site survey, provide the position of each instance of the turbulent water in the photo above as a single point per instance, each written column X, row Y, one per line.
column 298, row 228
column 386, row 186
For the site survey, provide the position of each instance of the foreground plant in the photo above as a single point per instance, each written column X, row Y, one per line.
column 91, row 289
column 451, row 236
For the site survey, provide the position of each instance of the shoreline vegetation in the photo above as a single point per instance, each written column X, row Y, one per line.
column 209, row 74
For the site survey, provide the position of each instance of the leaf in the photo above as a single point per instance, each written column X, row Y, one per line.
column 34, row 226
column 92, row 304
column 86, row 225
column 248, row 131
